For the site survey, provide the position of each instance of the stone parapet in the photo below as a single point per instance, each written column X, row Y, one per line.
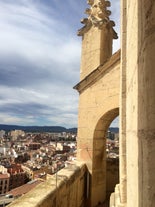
column 66, row 188
column 115, row 200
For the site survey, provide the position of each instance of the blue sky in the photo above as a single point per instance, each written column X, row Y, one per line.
column 40, row 60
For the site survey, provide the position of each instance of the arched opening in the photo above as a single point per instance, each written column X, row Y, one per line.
column 99, row 168
column 112, row 162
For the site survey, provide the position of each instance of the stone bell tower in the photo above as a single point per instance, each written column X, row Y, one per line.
column 97, row 36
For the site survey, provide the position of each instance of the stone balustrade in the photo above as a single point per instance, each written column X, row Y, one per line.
column 66, row 188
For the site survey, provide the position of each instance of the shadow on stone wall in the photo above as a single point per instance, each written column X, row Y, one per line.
column 112, row 175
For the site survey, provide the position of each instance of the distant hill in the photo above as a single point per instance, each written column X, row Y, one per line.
column 37, row 128
column 114, row 129
column 45, row 128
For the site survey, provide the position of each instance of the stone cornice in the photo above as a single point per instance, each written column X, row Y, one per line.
column 98, row 16
column 98, row 73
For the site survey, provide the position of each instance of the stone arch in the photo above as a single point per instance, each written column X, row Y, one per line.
column 99, row 154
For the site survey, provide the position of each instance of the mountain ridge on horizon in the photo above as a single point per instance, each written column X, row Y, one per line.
column 9, row 127
column 35, row 128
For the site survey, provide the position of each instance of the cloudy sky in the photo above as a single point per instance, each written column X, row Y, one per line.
column 40, row 60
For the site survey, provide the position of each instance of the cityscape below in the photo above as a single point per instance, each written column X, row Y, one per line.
column 27, row 158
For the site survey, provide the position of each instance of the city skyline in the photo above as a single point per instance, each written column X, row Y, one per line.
column 40, row 57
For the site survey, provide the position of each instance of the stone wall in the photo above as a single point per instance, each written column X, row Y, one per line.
column 112, row 175
column 67, row 188
column 98, row 107
column 140, row 102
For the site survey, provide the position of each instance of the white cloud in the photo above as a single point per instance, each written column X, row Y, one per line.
column 39, row 61
column 11, row 119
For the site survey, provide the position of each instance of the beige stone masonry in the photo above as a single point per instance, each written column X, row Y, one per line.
column 98, row 106
column 98, row 73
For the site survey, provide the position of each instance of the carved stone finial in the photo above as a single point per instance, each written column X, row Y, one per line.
column 98, row 15
column 90, row 2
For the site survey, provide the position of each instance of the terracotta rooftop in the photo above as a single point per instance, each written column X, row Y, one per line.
column 4, row 176
column 24, row 188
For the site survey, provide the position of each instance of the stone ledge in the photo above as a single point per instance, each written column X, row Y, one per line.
column 115, row 198
column 98, row 72
column 46, row 194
